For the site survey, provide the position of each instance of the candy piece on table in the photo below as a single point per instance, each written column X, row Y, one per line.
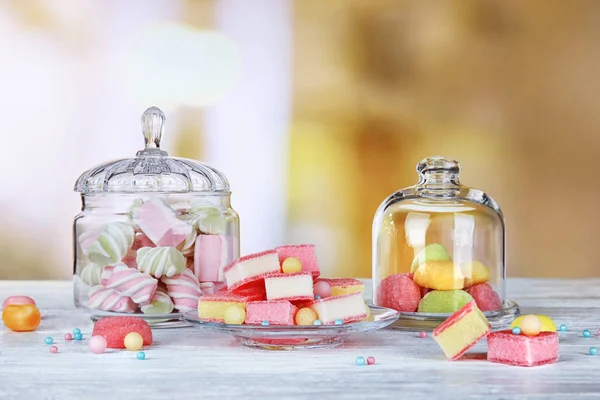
column 235, row 314
column 275, row 312
column 306, row 253
column 108, row 245
column 530, row 325
column 211, row 254
column 213, row 308
column 133, row 341
column 349, row 308
column 17, row 300
column 305, row 317
column 132, row 283
column 444, row 301
column 343, row 286
column 21, row 317
column 160, row 261
column 97, row 344
column 160, row 224
column 399, row 292
column 90, row 274
column 439, row 275
column 114, row 329
column 208, row 219
column 101, row 298
column 160, row 303
column 184, row 289
column 461, row 331
column 547, row 324
column 53, row 349
column 431, row 252
column 522, row 350
column 474, row 273
column 140, row 355
column 485, row 296
column 251, row 268
column 291, row 287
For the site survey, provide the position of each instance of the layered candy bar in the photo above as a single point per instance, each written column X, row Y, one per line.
column 343, row 286
column 212, row 308
column 277, row 312
column 525, row 351
column 251, row 268
column 291, row 287
column 348, row 308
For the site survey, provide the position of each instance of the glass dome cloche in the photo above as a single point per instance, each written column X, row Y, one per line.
column 153, row 234
column 438, row 245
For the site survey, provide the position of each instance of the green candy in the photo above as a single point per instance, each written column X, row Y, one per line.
column 208, row 219
column 444, row 301
column 431, row 252
column 108, row 246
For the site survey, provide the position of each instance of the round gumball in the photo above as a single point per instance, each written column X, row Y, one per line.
column 97, row 344
column 323, row 289
column 399, row 292
column 53, row 349
column 17, row 300
column 235, row 314
column 141, row 355
column 371, row 360
column 133, row 341
column 305, row 316
column 530, row 325
column 291, row 265
column 22, row 317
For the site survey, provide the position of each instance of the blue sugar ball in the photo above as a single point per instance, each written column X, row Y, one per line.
column 593, row 351
column 338, row 322
column 78, row 336
column 141, row 355
column 48, row 340
column 516, row 330
column 265, row 323
column 317, row 322
column 587, row 333
column 563, row 328
column 360, row 361
column 317, row 297
column 76, row 331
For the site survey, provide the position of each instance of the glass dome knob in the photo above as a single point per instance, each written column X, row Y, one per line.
column 438, row 164
column 153, row 127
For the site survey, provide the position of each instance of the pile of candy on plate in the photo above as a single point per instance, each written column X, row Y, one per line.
column 436, row 285
column 532, row 341
column 282, row 287
column 158, row 261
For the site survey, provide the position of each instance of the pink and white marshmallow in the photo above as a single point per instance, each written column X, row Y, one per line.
column 184, row 289
column 132, row 283
column 109, row 300
column 211, row 255
column 160, row 224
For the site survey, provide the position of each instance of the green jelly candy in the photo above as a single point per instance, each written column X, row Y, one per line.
column 431, row 252
column 444, row 301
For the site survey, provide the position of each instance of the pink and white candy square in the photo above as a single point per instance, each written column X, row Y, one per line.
column 306, row 253
column 291, row 287
column 525, row 351
column 251, row 268
column 348, row 308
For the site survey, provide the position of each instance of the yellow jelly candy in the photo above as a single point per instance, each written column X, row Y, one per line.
column 305, row 316
column 235, row 314
column 368, row 311
column 439, row 275
column 530, row 325
column 291, row 265
column 474, row 273
column 547, row 324
column 133, row 341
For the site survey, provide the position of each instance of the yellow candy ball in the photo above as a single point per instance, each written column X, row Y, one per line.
column 531, row 325
column 235, row 314
column 291, row 265
column 133, row 341
column 305, row 316
column 547, row 324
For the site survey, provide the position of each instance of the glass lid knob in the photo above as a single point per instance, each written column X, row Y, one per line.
column 438, row 164
column 153, row 126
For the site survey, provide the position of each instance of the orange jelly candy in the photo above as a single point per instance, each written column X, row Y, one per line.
column 21, row 317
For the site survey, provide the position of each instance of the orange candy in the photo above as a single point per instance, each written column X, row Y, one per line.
column 21, row 317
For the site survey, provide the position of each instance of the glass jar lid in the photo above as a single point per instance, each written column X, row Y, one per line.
column 152, row 170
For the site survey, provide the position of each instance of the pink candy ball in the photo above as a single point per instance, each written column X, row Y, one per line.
column 371, row 360
column 68, row 336
column 423, row 335
column 322, row 289
column 97, row 344
column 53, row 349
column 18, row 300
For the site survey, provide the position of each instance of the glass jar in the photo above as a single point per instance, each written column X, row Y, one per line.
column 154, row 233
column 438, row 245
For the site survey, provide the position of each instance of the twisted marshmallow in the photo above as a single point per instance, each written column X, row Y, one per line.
column 184, row 289
column 132, row 283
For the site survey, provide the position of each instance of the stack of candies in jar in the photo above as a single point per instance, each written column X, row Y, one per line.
column 161, row 259
column 437, row 285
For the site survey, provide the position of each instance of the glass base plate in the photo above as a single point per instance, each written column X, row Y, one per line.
column 416, row 321
column 295, row 337
column 156, row 321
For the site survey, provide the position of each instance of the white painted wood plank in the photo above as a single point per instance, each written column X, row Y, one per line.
column 188, row 363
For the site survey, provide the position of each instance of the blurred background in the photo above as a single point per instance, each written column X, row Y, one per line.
column 315, row 110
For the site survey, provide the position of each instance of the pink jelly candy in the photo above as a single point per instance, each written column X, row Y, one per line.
column 114, row 329
column 525, row 351
column 17, row 300
column 485, row 297
column 399, row 292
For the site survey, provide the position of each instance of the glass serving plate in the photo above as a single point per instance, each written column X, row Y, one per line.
column 295, row 337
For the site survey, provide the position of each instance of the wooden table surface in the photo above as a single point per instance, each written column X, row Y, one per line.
column 190, row 363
